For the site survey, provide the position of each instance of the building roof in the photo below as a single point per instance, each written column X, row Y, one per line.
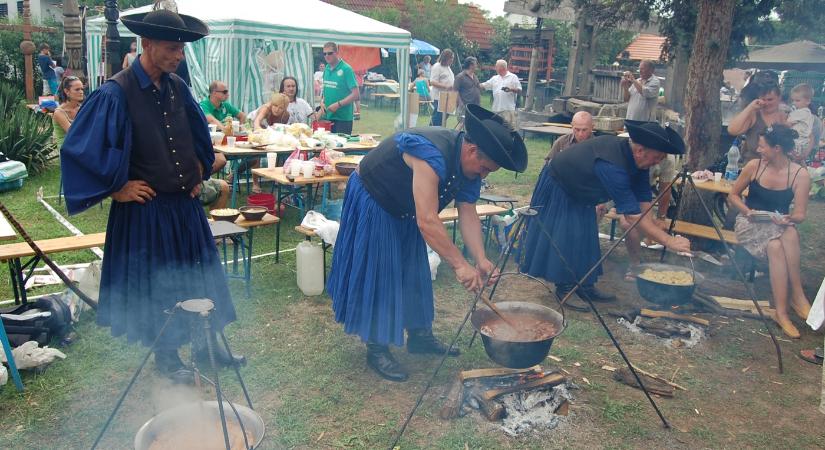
column 792, row 52
column 476, row 28
column 646, row 46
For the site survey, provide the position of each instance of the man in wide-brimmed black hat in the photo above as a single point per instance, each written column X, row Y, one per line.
column 142, row 140
column 592, row 172
column 380, row 279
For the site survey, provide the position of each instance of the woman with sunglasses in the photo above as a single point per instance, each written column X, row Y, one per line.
column 766, row 226
column 299, row 110
column 70, row 94
column 760, row 114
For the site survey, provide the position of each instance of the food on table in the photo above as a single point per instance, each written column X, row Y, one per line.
column 202, row 435
column 671, row 277
column 528, row 328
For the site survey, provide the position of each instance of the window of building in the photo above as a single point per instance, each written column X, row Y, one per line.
column 4, row 10
column 20, row 9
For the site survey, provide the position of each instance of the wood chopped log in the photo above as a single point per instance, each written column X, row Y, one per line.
column 654, row 386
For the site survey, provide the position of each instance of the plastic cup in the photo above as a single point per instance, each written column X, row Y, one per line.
column 271, row 160
column 213, row 128
column 295, row 168
column 717, row 176
column 230, row 141
column 307, row 167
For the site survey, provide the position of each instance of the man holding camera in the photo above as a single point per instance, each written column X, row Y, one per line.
column 505, row 86
column 641, row 93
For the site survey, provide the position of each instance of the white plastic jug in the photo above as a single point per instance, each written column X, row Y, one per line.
column 310, row 260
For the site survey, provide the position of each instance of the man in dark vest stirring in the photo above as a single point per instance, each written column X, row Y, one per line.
column 142, row 140
column 587, row 174
column 380, row 278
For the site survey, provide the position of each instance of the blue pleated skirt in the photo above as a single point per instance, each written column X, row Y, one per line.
column 158, row 254
column 380, row 278
column 573, row 228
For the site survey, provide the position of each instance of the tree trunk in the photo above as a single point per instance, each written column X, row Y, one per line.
column 676, row 82
column 703, row 110
column 710, row 51
column 74, row 42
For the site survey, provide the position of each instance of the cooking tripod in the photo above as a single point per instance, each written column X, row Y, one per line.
column 200, row 309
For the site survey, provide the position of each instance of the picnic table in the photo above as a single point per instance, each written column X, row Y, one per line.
column 234, row 155
column 7, row 233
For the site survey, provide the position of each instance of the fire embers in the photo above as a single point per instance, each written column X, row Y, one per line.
column 525, row 399
column 671, row 332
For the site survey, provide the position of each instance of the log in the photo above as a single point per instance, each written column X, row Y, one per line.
column 670, row 315
column 653, row 385
column 550, row 380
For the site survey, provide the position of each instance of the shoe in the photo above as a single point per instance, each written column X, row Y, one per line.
column 384, row 364
column 222, row 357
column 595, row 295
column 169, row 364
column 574, row 302
column 423, row 341
column 788, row 328
column 813, row 356
column 801, row 311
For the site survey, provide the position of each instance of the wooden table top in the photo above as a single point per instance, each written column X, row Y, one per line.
column 240, row 151
column 277, row 175
column 267, row 219
column 7, row 233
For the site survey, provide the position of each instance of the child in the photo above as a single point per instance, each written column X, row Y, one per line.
column 422, row 86
column 802, row 119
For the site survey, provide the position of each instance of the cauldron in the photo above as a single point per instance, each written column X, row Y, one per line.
column 517, row 355
column 181, row 416
column 667, row 294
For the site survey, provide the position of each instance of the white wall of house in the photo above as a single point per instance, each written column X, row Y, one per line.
column 40, row 9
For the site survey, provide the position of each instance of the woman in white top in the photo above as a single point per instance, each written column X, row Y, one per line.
column 130, row 57
column 441, row 80
column 298, row 108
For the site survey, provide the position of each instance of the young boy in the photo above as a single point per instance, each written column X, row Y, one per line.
column 802, row 120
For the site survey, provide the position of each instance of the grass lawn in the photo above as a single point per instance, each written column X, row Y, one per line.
column 309, row 382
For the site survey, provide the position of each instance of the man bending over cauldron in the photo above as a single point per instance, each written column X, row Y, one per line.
column 592, row 172
column 142, row 140
column 380, row 279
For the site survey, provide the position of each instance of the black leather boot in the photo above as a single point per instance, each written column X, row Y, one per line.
column 594, row 294
column 423, row 341
column 222, row 357
column 384, row 364
column 169, row 364
column 574, row 302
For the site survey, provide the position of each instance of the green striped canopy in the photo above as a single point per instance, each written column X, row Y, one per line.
column 244, row 32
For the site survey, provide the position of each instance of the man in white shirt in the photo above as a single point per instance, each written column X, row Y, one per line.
column 505, row 86
column 641, row 93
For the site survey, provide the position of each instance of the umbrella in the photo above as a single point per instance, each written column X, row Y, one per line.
column 418, row 47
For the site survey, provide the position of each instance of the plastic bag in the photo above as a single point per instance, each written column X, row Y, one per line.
column 817, row 315
column 296, row 155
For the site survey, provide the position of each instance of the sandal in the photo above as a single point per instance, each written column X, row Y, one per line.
column 814, row 356
column 801, row 311
column 788, row 328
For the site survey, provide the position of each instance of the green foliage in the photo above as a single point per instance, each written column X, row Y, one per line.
column 563, row 35
column 610, row 43
column 25, row 135
column 500, row 42
column 12, row 65
column 439, row 23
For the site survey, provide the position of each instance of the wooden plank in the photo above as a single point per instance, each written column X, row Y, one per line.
column 267, row 219
column 735, row 303
column 7, row 232
column 309, row 232
column 704, row 231
column 450, row 214
column 64, row 244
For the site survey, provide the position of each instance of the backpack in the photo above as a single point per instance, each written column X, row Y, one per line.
column 41, row 320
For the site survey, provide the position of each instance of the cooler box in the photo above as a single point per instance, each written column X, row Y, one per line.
column 12, row 174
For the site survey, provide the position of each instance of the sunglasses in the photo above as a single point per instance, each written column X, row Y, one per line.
column 224, row 92
column 328, row 53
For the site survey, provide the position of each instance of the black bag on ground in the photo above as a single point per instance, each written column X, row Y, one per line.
column 31, row 325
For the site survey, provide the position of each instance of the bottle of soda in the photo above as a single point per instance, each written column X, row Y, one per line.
column 732, row 169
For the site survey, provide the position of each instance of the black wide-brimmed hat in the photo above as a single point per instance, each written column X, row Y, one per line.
column 652, row 135
column 165, row 25
column 495, row 138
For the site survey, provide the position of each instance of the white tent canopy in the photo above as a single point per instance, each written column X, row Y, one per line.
column 254, row 43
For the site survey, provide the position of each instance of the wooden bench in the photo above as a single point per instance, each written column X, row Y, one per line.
column 684, row 228
column 395, row 98
column 12, row 253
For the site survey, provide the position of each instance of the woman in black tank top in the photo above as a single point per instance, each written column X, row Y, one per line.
column 774, row 182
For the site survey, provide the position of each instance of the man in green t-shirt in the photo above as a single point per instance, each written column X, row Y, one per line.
column 340, row 90
column 217, row 108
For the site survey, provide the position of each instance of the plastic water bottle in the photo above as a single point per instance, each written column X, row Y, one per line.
column 732, row 169
column 310, row 273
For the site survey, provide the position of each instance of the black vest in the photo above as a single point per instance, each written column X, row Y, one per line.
column 163, row 153
column 388, row 179
column 573, row 168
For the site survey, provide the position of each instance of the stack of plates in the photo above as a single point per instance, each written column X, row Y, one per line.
column 764, row 216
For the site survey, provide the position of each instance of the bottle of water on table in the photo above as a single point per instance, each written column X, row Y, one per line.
column 732, row 169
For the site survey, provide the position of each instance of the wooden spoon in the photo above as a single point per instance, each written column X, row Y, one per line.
column 498, row 312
